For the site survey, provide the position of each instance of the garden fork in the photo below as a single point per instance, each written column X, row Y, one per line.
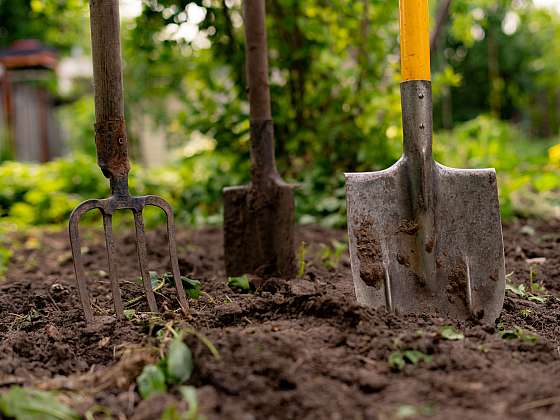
column 112, row 157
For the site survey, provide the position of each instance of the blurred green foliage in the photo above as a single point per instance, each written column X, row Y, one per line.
column 33, row 194
column 59, row 23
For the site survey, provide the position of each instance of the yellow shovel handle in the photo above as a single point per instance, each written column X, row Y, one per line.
column 415, row 40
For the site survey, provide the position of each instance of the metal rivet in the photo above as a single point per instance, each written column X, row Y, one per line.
column 121, row 140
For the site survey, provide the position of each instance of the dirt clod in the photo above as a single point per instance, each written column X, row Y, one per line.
column 372, row 271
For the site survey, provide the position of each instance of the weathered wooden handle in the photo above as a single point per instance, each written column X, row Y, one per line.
column 262, row 133
column 110, row 129
column 415, row 40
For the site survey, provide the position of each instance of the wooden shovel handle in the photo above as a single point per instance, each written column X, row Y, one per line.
column 110, row 129
column 415, row 40
column 262, row 131
column 257, row 59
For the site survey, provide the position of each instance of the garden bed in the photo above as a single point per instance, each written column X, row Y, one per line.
column 289, row 349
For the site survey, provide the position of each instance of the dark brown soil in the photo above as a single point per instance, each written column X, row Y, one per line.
column 292, row 349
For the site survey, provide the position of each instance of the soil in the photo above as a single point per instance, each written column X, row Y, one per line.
column 290, row 349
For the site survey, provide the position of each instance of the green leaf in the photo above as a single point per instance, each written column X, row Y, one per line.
column 189, row 395
column 396, row 361
column 154, row 279
column 151, row 381
column 538, row 299
column 171, row 413
column 518, row 289
column 32, row 404
column 415, row 356
column 179, row 361
column 192, row 287
column 129, row 313
column 519, row 334
column 241, row 282
column 450, row 333
column 301, row 256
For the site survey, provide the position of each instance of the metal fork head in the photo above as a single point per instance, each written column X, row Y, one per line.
column 122, row 200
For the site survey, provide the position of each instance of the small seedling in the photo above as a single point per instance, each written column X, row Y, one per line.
column 520, row 334
column 398, row 359
column 191, row 286
column 535, row 286
column 179, row 365
column 189, row 395
column 406, row 411
column 151, row 381
column 525, row 313
column 448, row 332
column 521, row 291
column 175, row 368
column 5, row 256
column 330, row 255
column 33, row 404
column 241, row 282
column 175, row 365
column 302, row 250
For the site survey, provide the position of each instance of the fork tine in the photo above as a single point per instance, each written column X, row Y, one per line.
column 74, row 232
column 113, row 274
column 142, row 259
column 174, row 261
column 157, row 201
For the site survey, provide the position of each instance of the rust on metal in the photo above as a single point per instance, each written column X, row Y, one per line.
column 112, row 148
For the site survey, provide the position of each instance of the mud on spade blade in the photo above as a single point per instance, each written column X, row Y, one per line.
column 426, row 238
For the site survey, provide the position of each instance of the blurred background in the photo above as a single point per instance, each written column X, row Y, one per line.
column 334, row 74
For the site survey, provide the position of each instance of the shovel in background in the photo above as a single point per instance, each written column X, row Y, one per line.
column 425, row 238
column 259, row 218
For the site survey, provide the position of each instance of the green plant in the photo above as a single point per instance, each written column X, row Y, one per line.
column 399, row 359
column 5, row 255
column 175, row 367
column 33, row 404
column 241, row 283
column 520, row 334
column 525, row 312
column 330, row 255
column 301, row 258
column 533, row 283
column 521, row 291
column 406, row 411
column 188, row 393
column 192, row 286
column 151, row 381
column 448, row 332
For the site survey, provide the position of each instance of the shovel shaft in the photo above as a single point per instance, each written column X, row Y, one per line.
column 262, row 132
column 415, row 40
column 110, row 130
column 416, row 99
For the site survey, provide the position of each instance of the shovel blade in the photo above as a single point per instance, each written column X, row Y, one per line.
column 449, row 262
column 259, row 232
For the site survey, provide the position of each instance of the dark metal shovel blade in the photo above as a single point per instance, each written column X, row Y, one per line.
column 457, row 271
column 259, row 233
